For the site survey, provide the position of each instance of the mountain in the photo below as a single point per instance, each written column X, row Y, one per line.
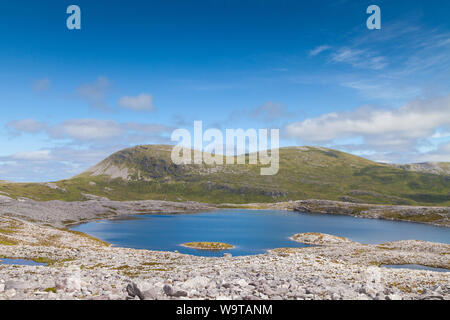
column 147, row 172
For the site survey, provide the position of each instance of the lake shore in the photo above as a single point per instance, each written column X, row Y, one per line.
column 63, row 214
column 439, row 216
column 82, row 267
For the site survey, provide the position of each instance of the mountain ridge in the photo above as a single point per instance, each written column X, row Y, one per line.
column 147, row 172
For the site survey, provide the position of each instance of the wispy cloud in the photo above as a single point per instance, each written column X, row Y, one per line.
column 362, row 59
column 382, row 88
column 319, row 50
column 398, row 62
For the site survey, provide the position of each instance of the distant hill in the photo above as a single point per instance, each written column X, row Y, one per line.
column 427, row 167
column 147, row 172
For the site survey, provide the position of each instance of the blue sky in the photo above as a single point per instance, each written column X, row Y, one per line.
column 139, row 69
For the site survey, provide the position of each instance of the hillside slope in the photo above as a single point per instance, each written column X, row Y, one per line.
column 147, row 172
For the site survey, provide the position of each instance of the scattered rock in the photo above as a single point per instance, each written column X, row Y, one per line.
column 197, row 282
column 133, row 291
column 168, row 290
column 393, row 297
column 17, row 285
column 10, row 293
column 180, row 293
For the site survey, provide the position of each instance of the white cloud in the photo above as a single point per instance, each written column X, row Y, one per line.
column 86, row 130
column 25, row 126
column 40, row 155
column 52, row 165
column 441, row 154
column 78, row 145
column 385, row 128
column 439, row 135
column 142, row 102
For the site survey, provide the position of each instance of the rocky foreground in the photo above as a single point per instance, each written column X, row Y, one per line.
column 81, row 267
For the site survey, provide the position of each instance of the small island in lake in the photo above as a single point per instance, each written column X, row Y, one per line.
column 208, row 245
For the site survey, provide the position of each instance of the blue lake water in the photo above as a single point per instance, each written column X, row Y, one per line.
column 250, row 231
column 21, row 262
column 414, row 267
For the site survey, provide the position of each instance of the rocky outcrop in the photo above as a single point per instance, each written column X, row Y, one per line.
column 52, row 185
column 426, row 167
column 314, row 238
column 431, row 215
column 62, row 213
column 108, row 169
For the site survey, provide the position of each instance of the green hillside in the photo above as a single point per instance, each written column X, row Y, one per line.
column 147, row 172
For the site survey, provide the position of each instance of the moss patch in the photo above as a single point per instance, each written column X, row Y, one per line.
column 208, row 245
column 7, row 242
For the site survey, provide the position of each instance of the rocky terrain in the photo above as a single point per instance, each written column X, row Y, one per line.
column 62, row 213
column 431, row 215
column 427, row 167
column 82, row 267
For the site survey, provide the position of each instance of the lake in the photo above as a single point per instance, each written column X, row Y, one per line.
column 250, row 231
column 21, row 262
column 414, row 267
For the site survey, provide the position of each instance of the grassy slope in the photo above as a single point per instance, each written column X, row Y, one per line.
column 305, row 173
